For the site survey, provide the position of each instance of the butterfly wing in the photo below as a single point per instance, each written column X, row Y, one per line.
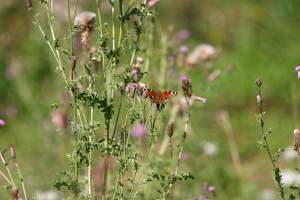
column 166, row 95
column 158, row 97
column 152, row 95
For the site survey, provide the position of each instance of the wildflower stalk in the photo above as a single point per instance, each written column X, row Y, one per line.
column 50, row 22
column 5, row 177
column 118, row 116
column 21, row 179
column 99, row 18
column 187, row 121
column 90, row 153
column 265, row 144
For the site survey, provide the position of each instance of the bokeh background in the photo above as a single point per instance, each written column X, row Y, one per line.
column 261, row 38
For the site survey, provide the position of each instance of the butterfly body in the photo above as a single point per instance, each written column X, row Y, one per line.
column 159, row 98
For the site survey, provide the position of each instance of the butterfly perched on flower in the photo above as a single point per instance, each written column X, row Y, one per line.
column 159, row 98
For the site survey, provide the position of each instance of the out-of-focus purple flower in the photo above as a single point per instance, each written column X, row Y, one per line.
column 201, row 197
column 59, row 119
column 211, row 189
column 202, row 53
column 184, row 156
column 138, row 130
column 135, row 89
column 171, row 59
column 183, row 35
column 152, row 3
column 2, row 123
column 297, row 69
column 184, row 78
column 183, row 49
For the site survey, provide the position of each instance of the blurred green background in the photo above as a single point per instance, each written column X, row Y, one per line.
column 261, row 38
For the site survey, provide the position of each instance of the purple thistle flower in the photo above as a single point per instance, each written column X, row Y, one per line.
column 211, row 189
column 2, row 123
column 201, row 198
column 184, row 156
column 183, row 35
column 152, row 3
column 297, row 69
column 183, row 49
column 138, row 130
column 184, row 78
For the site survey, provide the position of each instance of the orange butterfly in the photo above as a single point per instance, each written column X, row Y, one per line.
column 159, row 98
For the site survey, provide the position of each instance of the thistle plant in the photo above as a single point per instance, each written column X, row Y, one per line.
column 264, row 143
column 107, row 63
column 12, row 169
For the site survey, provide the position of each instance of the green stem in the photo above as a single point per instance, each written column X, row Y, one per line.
column 118, row 115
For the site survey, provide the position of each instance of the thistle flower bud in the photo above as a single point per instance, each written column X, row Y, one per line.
column 152, row 3
column 297, row 69
column 258, row 82
column 14, row 193
column 86, row 22
column 170, row 129
column 258, row 99
column 139, row 61
column 29, row 4
column 73, row 60
column 2, row 158
column 136, row 70
column 186, row 86
column 12, row 152
column 296, row 135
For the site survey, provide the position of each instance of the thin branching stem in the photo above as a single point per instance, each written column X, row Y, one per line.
column 266, row 145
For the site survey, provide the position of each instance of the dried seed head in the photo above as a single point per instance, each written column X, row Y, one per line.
column 139, row 61
column 85, row 20
column 14, row 193
column 170, row 129
column 258, row 82
column 186, row 86
column 12, row 152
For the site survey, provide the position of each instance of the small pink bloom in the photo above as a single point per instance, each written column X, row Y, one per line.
column 138, row 130
column 183, row 49
column 201, row 197
column 2, row 123
column 184, row 156
column 152, row 3
column 297, row 69
column 184, row 78
column 211, row 189
column 183, row 35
